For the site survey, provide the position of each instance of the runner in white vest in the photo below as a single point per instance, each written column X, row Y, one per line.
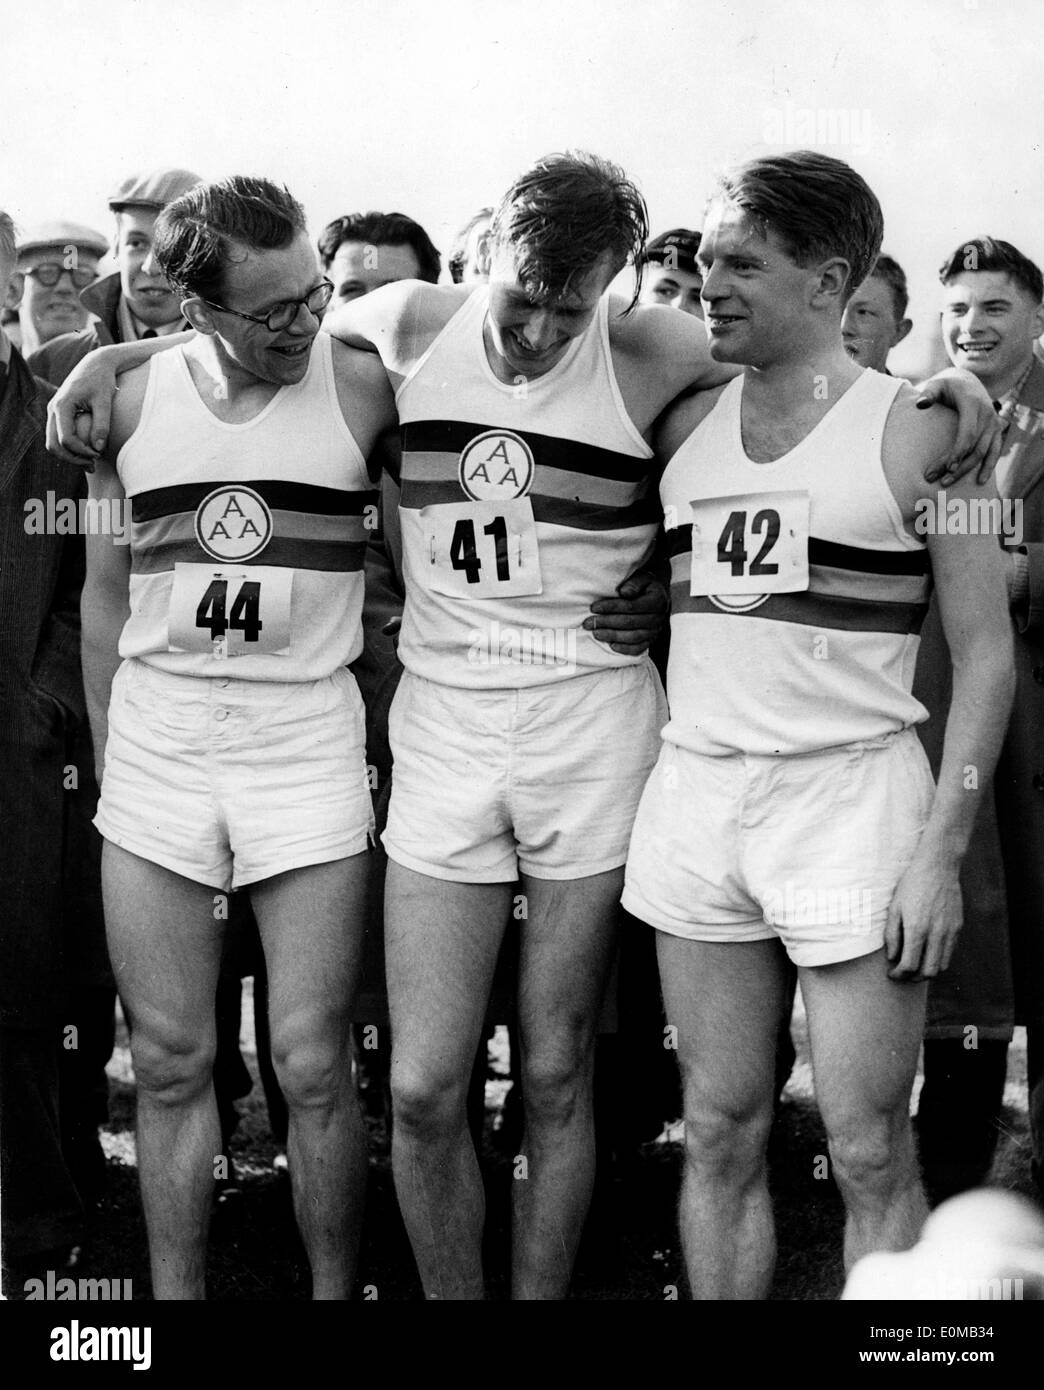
column 231, row 734
column 792, row 809
column 524, row 729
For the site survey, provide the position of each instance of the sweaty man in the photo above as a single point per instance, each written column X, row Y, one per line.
column 230, row 733
column 792, row 810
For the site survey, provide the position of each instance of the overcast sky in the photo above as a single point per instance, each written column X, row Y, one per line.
column 431, row 107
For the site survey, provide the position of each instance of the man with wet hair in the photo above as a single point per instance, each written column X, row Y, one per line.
column 365, row 250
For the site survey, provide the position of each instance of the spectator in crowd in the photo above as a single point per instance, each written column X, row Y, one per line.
column 469, row 259
column 875, row 317
column 992, row 315
column 670, row 273
column 41, row 702
column 135, row 301
column 365, row 250
column 58, row 260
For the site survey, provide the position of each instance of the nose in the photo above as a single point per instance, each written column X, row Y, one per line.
column 715, row 283
column 150, row 265
column 541, row 330
column 973, row 320
column 296, row 326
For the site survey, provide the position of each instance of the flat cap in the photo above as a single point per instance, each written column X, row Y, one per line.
column 62, row 234
column 154, row 189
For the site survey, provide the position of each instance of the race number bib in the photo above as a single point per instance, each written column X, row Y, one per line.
column 753, row 544
column 230, row 610
column 482, row 549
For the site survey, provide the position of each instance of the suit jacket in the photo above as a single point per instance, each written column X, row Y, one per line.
column 56, row 359
column 41, row 702
column 997, row 973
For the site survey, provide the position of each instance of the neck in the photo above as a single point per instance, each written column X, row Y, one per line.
column 999, row 386
column 230, row 379
column 787, row 388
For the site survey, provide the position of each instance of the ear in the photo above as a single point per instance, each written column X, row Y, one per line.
column 902, row 330
column 199, row 316
column 829, row 281
column 14, row 289
column 482, row 255
column 1038, row 321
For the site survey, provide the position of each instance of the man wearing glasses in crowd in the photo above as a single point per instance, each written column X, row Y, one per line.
column 56, row 260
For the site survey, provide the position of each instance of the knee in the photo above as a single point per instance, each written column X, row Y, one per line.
column 870, row 1156
column 554, row 1087
column 171, row 1067
column 726, row 1140
column 427, row 1100
column 311, row 1060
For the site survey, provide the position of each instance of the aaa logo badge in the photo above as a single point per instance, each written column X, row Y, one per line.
column 496, row 466
column 233, row 523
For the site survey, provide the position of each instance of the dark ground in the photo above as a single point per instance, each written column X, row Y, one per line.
column 630, row 1251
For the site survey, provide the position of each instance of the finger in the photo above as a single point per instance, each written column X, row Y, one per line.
column 72, row 450
column 101, row 410
column 634, row 585
column 643, row 605
column 641, row 638
column 628, row 649
column 893, row 937
column 993, row 453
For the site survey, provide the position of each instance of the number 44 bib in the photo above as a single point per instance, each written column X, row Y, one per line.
column 230, row 610
column 752, row 544
column 482, row 549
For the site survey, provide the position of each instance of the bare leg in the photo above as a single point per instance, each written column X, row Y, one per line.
column 311, row 923
column 865, row 1032
column 441, row 942
column 165, row 945
column 726, row 1000
column 567, row 944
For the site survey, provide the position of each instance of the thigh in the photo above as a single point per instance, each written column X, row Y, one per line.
column 311, row 925
column 441, row 943
column 726, row 1000
column 865, row 1035
column 567, row 943
column 165, row 936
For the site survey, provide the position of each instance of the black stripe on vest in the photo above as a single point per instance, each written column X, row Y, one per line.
column 550, row 451
column 280, row 496
column 834, row 556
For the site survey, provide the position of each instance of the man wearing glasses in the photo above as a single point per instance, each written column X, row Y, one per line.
column 55, row 262
column 133, row 302
column 231, row 734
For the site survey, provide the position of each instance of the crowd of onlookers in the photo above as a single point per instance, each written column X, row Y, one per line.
column 57, row 997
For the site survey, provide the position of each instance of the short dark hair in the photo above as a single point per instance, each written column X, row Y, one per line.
column 200, row 233
column 818, row 206
column 989, row 253
column 565, row 212
column 382, row 229
column 460, row 243
column 893, row 275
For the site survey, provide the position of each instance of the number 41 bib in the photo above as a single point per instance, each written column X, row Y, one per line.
column 482, row 549
column 752, row 543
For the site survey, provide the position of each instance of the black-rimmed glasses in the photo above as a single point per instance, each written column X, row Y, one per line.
column 283, row 315
column 50, row 272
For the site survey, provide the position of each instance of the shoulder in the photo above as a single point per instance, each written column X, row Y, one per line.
column 913, row 439
column 363, row 392
column 56, row 359
column 399, row 320
column 127, row 406
column 681, row 418
column 653, row 329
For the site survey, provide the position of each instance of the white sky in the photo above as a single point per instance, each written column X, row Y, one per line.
column 431, row 107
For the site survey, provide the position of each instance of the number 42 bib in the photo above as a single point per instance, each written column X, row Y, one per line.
column 751, row 544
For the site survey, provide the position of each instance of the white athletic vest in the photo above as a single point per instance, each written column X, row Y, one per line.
column 247, row 540
column 521, row 504
column 796, row 594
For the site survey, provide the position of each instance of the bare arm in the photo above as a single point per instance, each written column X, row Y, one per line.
column 104, row 608
column 970, row 577
column 980, row 435
column 79, row 413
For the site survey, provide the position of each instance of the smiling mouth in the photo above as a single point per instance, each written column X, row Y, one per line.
column 976, row 349
column 722, row 320
column 293, row 351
